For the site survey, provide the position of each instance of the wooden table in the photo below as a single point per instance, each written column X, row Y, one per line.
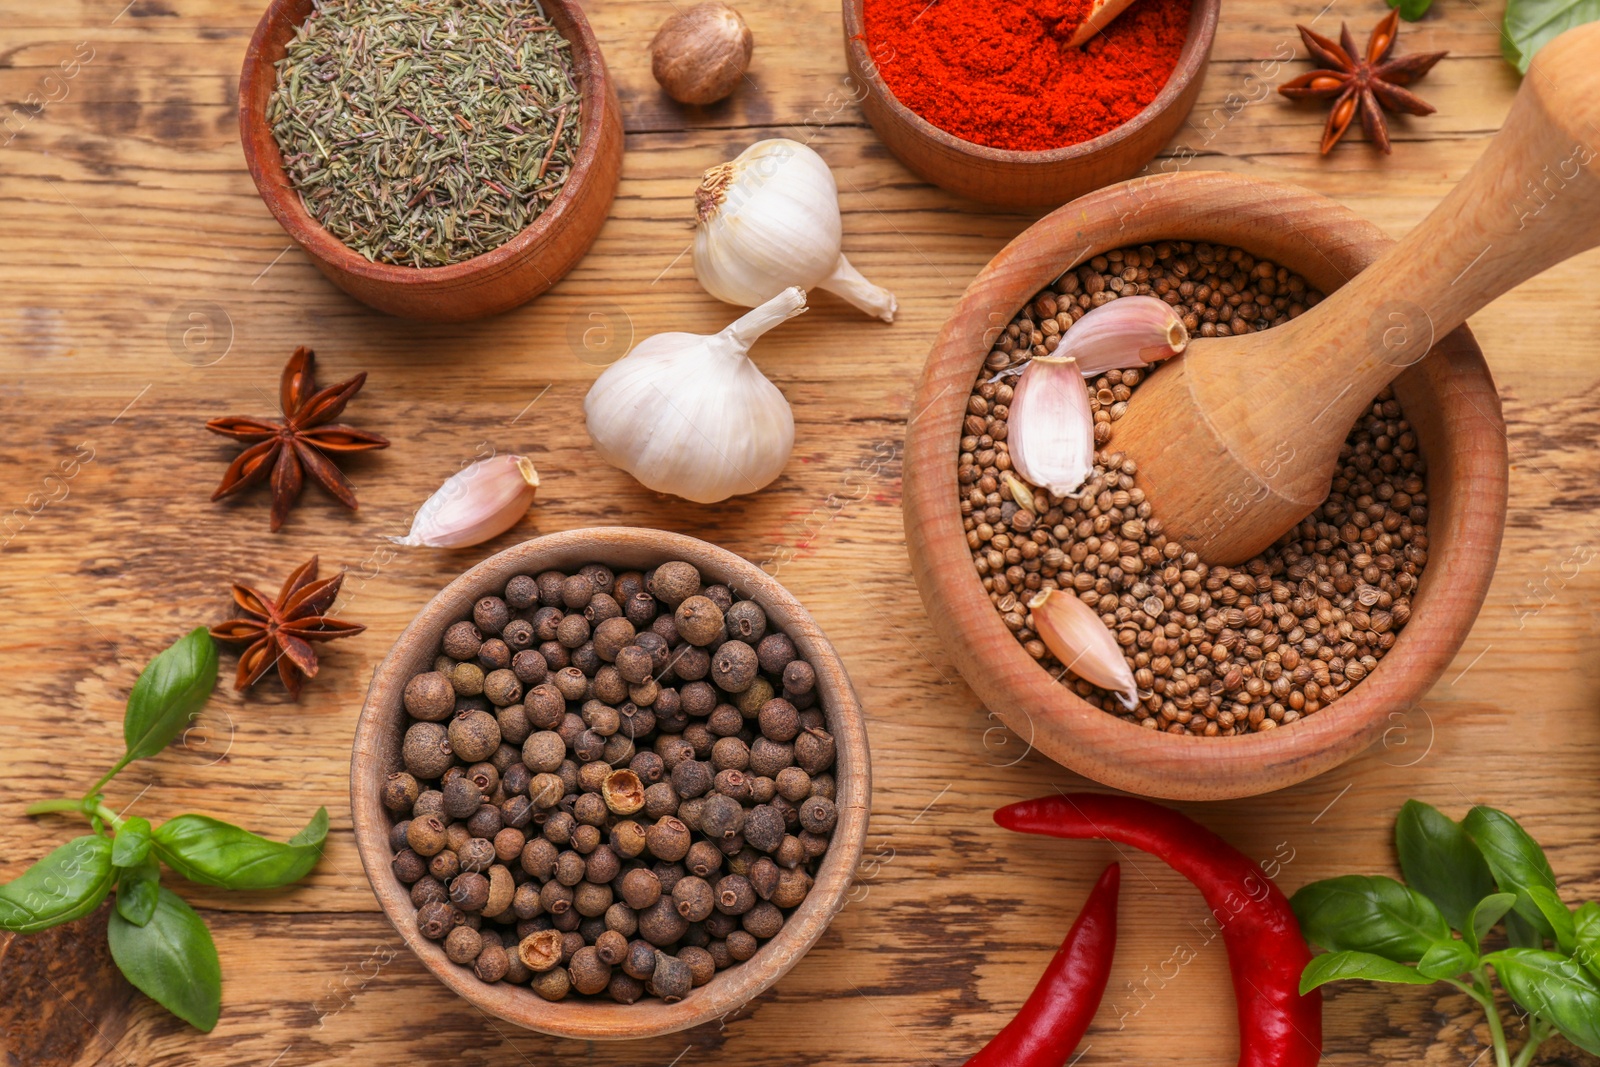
column 147, row 289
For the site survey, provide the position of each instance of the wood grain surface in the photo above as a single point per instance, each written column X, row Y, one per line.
column 132, row 234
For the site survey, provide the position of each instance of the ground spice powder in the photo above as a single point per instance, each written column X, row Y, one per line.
column 998, row 72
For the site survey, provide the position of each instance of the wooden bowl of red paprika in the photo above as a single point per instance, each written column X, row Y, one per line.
column 1045, row 123
column 1449, row 399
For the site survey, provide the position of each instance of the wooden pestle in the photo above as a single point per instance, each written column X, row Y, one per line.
column 1237, row 440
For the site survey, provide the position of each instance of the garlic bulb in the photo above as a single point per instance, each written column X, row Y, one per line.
column 476, row 503
column 1050, row 431
column 770, row 219
column 1077, row 636
column 690, row 415
column 1131, row 331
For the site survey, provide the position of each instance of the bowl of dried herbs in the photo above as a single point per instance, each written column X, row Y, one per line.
column 445, row 165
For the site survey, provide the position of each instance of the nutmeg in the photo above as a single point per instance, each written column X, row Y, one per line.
column 700, row 55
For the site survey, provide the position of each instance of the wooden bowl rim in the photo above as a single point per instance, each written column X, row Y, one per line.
column 1191, row 64
column 1009, row 681
column 283, row 199
column 728, row 990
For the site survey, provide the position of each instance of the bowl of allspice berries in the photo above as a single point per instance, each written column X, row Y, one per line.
column 611, row 783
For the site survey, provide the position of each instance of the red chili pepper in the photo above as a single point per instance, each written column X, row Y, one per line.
column 1057, row 1014
column 1266, row 952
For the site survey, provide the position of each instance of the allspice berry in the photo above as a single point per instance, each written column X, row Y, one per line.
column 590, row 974
column 672, row 978
column 814, row 750
column 461, row 798
column 818, row 815
column 734, row 667
column 674, row 582
column 640, row 888
column 762, row 921
column 736, row 895
column 552, row 984
column 699, row 620
column 660, row 924
column 623, row 792
column 430, row 697
column 612, row 948
column 491, row 963
column 793, row 885
column 699, row 56
column 463, row 944
column 694, row 898
column 474, row 735
column 435, row 919
column 541, row 951
column 400, row 791
column 763, row 827
column 408, row 866
column 641, row 960
column 701, row 966
column 426, row 750
column 667, row 840
column 469, row 891
column 624, row 988
column 426, row 836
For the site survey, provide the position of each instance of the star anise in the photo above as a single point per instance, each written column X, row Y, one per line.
column 298, row 445
column 1367, row 83
column 281, row 631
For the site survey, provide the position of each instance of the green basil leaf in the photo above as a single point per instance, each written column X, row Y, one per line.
column 136, row 891
column 67, row 884
column 1411, row 10
column 1446, row 959
column 1358, row 913
column 1555, row 988
column 1557, row 915
column 1586, row 924
column 1338, row 966
column 132, row 843
column 174, row 686
column 212, row 852
column 1517, row 861
column 1440, row 861
column 171, row 959
column 1488, row 911
column 1531, row 24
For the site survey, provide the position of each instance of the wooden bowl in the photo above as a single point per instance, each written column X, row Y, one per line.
column 377, row 753
column 487, row 284
column 1029, row 179
column 1449, row 399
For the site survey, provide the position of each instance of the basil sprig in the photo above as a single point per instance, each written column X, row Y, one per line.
column 1463, row 880
column 159, row 942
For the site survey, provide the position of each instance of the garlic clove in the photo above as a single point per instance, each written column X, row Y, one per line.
column 478, row 502
column 1131, row 331
column 769, row 219
column 1050, row 430
column 691, row 415
column 1077, row 636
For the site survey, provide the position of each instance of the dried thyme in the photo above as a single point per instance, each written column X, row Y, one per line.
column 425, row 132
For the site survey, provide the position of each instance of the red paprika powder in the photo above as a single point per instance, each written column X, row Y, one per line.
column 999, row 72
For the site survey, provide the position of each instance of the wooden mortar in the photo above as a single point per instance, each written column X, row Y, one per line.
column 1449, row 399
